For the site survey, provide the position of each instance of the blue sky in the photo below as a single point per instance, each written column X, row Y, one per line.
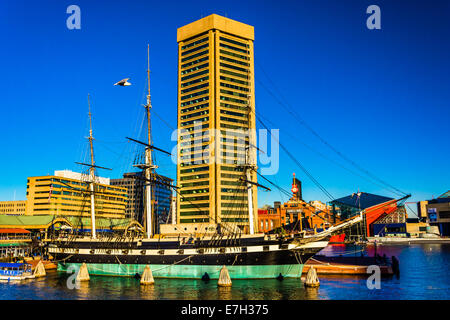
column 380, row 97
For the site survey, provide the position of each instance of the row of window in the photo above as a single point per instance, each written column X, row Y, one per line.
column 193, row 75
column 187, row 84
column 194, row 43
column 198, row 169
column 194, row 62
column 234, row 80
column 226, row 46
column 193, row 69
column 197, row 122
column 231, row 113
column 194, row 184
column 234, row 93
column 225, row 168
column 201, row 198
column 194, row 213
column 233, row 54
column 195, row 56
column 183, row 53
column 194, row 177
column 232, row 106
column 229, row 66
column 196, row 94
column 204, row 139
column 194, row 88
column 227, row 85
column 234, row 42
column 223, row 98
column 196, row 157
column 235, row 61
column 231, row 190
column 194, row 101
column 9, row 205
column 235, row 74
column 194, row 191
column 194, row 149
column 187, row 162
column 234, row 120
column 198, row 107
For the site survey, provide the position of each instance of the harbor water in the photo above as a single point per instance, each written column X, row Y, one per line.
column 423, row 275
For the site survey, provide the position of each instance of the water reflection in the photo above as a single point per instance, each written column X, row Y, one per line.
column 424, row 275
column 147, row 292
column 224, row 293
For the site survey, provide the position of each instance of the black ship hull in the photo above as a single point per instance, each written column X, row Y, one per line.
column 244, row 258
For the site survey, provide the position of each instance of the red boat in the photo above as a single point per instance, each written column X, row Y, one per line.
column 337, row 239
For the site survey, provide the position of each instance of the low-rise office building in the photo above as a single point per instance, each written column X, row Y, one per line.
column 66, row 193
column 13, row 207
column 438, row 213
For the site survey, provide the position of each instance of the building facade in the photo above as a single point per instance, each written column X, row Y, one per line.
column 66, row 193
column 161, row 197
column 216, row 122
column 13, row 207
column 438, row 213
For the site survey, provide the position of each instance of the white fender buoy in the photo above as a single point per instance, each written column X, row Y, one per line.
column 224, row 278
column 147, row 276
column 39, row 271
column 312, row 280
column 83, row 274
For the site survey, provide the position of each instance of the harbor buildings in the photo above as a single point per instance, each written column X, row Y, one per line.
column 296, row 214
column 66, row 194
column 13, row 207
column 381, row 215
column 436, row 212
column 216, row 120
column 161, row 197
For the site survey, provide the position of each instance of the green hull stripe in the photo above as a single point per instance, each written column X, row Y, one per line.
column 189, row 271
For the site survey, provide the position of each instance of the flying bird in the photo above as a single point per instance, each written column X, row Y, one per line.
column 123, row 82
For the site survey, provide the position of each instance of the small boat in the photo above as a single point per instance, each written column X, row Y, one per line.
column 344, row 265
column 15, row 271
column 337, row 239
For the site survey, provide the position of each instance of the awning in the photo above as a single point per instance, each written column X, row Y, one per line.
column 14, row 230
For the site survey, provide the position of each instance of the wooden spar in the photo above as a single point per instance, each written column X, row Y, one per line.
column 92, row 175
column 148, row 157
column 148, row 145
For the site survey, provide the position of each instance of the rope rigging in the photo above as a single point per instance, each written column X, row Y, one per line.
column 302, row 122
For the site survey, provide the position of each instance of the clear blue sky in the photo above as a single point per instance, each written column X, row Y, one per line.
column 381, row 97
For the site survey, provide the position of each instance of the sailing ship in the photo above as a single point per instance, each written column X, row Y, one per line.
column 245, row 255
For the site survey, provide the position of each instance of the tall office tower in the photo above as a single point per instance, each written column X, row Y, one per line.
column 161, row 197
column 216, row 122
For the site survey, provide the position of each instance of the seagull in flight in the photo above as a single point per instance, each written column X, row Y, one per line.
column 123, row 82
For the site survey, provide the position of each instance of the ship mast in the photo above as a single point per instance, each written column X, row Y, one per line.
column 148, row 168
column 248, row 169
column 92, row 174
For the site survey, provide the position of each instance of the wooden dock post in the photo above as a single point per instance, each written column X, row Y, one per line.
column 312, row 281
column 83, row 274
column 224, row 278
column 39, row 271
column 147, row 276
